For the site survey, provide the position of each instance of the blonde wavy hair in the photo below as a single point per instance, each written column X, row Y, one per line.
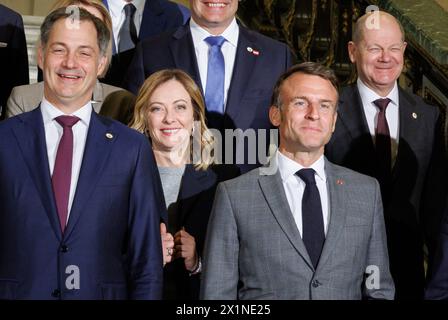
column 98, row 5
column 202, row 158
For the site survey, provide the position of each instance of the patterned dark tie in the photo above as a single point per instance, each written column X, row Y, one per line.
column 62, row 172
column 128, row 32
column 214, row 91
column 313, row 233
column 383, row 145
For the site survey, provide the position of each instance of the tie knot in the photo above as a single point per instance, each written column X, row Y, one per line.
column 129, row 10
column 67, row 121
column 382, row 103
column 215, row 41
column 307, row 175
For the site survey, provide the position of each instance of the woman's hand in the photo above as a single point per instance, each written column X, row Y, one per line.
column 167, row 244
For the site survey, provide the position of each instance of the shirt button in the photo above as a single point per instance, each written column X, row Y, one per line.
column 56, row 293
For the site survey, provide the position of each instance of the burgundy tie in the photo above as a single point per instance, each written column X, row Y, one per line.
column 62, row 173
column 382, row 144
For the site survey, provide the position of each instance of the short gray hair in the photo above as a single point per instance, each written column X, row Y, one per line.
column 103, row 33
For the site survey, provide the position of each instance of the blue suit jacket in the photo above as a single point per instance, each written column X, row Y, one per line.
column 112, row 236
column 13, row 54
column 158, row 16
column 253, row 78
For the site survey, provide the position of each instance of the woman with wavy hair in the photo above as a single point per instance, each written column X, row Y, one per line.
column 170, row 110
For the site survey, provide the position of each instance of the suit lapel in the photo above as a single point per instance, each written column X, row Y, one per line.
column 184, row 55
column 193, row 183
column 273, row 191
column 409, row 131
column 96, row 153
column 245, row 62
column 152, row 20
column 31, row 139
column 351, row 114
column 338, row 197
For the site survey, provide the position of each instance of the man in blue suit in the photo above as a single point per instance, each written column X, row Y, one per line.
column 80, row 195
column 13, row 55
column 242, row 80
column 149, row 18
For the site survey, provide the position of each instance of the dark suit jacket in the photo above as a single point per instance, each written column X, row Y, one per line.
column 112, row 236
column 419, row 159
column 158, row 16
column 13, row 55
column 195, row 202
column 253, row 78
column 438, row 283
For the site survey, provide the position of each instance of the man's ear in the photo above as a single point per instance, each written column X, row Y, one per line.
column 40, row 57
column 334, row 121
column 102, row 65
column 275, row 116
column 351, row 47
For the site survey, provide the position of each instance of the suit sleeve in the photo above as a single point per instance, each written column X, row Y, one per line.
column 14, row 105
column 144, row 247
column 435, row 188
column 135, row 75
column 220, row 260
column 437, row 288
column 378, row 283
column 16, row 66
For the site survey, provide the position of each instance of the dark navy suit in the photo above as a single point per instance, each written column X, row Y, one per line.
column 13, row 54
column 112, row 236
column 254, row 75
column 158, row 16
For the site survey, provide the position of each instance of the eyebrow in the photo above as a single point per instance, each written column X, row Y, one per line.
column 307, row 99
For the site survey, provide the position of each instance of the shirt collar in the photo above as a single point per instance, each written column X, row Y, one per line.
column 231, row 33
column 368, row 95
column 289, row 167
column 116, row 7
column 50, row 112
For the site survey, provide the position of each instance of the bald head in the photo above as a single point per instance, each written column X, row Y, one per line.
column 375, row 20
column 377, row 50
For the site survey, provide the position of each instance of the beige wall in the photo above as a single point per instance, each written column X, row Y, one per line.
column 39, row 7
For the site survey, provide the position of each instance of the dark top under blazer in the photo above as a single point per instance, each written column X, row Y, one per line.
column 13, row 54
column 410, row 211
column 195, row 201
column 112, row 235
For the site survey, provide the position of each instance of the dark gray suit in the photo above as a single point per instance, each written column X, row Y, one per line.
column 413, row 201
column 254, row 250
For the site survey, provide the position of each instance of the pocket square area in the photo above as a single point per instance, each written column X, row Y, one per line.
column 3, row 44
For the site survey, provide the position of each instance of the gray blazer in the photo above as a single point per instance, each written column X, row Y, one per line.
column 254, row 250
column 27, row 97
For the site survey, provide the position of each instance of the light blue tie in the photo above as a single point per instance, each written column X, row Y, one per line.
column 214, row 90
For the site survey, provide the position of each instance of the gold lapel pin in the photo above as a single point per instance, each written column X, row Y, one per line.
column 414, row 115
column 109, row 135
column 340, row 182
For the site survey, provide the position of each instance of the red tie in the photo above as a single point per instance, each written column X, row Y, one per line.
column 383, row 146
column 62, row 172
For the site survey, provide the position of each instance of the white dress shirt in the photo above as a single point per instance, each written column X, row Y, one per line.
column 371, row 111
column 53, row 134
column 116, row 10
column 228, row 50
column 294, row 187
